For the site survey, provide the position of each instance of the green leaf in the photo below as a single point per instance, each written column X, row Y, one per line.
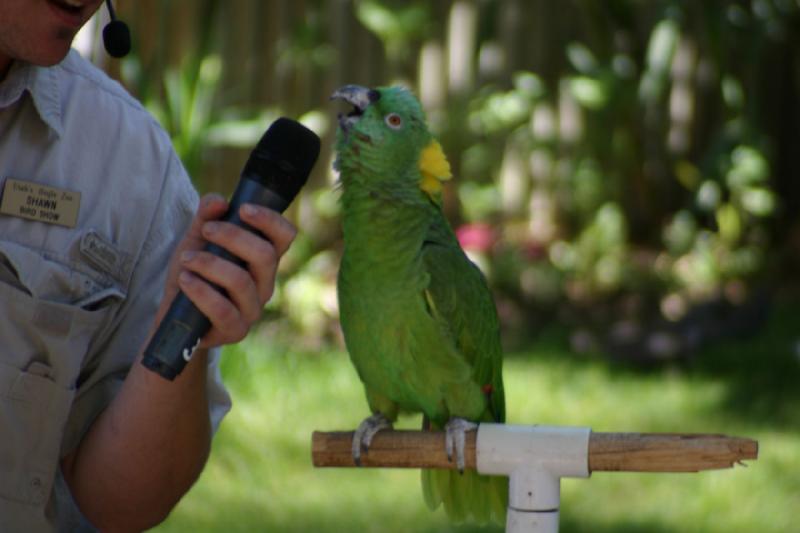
column 529, row 84
column 709, row 195
column 749, row 167
column 680, row 233
column 581, row 58
column 660, row 50
column 729, row 223
column 732, row 92
column 589, row 92
column 758, row 201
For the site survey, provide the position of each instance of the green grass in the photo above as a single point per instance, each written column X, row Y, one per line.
column 260, row 478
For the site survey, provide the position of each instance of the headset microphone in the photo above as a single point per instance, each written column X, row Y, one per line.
column 116, row 35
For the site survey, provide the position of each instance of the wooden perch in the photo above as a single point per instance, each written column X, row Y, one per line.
column 608, row 452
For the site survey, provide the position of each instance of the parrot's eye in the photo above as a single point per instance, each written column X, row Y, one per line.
column 394, row 121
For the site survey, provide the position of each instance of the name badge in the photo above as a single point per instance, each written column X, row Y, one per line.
column 26, row 199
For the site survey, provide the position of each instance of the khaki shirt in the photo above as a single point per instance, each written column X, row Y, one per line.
column 80, row 278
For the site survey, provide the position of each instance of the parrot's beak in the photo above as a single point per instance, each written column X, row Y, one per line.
column 359, row 97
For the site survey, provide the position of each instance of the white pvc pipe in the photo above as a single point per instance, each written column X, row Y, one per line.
column 534, row 458
column 525, row 522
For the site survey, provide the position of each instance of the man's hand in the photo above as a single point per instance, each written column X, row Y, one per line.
column 248, row 288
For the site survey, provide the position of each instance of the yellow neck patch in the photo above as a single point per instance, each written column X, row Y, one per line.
column 434, row 168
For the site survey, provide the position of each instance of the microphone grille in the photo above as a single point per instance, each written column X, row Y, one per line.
column 284, row 156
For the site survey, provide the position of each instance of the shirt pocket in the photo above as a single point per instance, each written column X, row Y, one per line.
column 51, row 312
column 33, row 409
column 50, row 318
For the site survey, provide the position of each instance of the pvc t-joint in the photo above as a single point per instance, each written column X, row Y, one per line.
column 534, row 458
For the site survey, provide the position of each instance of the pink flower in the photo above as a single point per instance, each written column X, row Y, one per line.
column 478, row 237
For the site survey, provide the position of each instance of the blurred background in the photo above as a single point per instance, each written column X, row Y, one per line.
column 626, row 175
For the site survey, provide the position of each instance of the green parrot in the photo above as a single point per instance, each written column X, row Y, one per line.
column 417, row 315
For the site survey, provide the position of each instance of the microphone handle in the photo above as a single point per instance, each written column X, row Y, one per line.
column 179, row 333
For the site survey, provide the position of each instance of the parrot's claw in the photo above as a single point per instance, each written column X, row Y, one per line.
column 362, row 438
column 455, row 440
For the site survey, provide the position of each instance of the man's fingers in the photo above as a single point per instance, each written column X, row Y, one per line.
column 221, row 311
column 260, row 254
column 212, row 206
column 237, row 282
column 277, row 229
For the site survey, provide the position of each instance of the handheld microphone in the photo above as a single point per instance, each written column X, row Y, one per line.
column 116, row 35
column 278, row 167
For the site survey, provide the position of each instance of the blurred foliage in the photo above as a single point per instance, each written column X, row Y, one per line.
column 627, row 159
column 396, row 25
column 185, row 102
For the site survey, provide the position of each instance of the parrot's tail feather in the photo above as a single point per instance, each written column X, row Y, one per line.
column 430, row 490
column 499, row 498
column 467, row 496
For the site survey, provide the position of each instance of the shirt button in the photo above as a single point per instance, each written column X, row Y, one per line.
column 37, row 489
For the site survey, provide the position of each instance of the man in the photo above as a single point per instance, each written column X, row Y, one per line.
column 94, row 206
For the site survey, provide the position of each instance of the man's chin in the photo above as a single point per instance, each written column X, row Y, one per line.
column 53, row 53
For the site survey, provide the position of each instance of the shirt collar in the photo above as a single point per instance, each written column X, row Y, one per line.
column 42, row 84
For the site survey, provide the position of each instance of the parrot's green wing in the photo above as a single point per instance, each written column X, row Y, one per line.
column 458, row 297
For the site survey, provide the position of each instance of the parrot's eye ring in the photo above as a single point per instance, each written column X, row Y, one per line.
column 394, row 121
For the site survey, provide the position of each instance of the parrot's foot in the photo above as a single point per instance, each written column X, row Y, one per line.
column 455, row 439
column 366, row 432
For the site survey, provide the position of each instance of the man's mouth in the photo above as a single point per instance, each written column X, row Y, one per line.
column 360, row 98
column 72, row 6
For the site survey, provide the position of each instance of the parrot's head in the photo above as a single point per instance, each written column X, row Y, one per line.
column 385, row 132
